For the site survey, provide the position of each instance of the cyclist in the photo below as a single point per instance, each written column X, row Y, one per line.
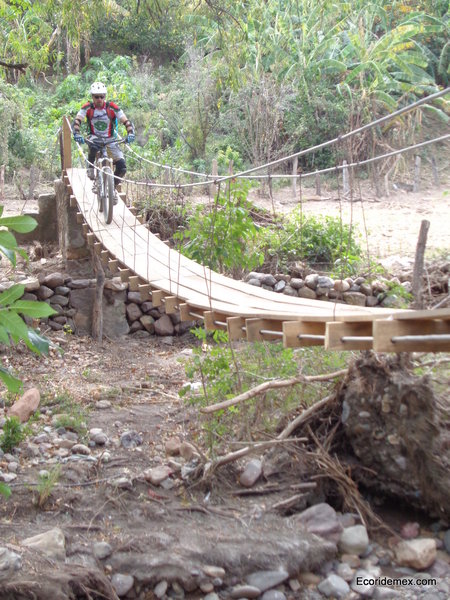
column 102, row 120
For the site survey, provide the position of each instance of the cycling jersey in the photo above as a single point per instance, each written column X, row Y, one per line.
column 101, row 121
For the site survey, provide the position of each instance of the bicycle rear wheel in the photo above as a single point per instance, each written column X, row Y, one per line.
column 108, row 183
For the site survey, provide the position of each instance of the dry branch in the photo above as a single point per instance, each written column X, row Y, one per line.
column 270, row 385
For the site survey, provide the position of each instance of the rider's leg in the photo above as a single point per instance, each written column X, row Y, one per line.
column 120, row 168
column 90, row 163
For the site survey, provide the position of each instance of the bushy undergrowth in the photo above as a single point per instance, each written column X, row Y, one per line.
column 218, row 371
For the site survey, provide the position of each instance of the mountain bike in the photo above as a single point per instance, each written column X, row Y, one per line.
column 104, row 175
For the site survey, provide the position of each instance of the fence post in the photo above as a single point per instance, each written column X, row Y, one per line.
column 214, row 173
column 418, row 265
column 417, row 163
column 66, row 140
column 345, row 181
column 318, row 185
column 435, row 170
column 294, row 178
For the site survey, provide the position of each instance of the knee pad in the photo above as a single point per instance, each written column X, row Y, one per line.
column 120, row 168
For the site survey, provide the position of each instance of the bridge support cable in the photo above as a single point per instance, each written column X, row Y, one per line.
column 246, row 312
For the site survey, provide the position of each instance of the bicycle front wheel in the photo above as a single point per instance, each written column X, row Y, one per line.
column 100, row 190
column 108, row 187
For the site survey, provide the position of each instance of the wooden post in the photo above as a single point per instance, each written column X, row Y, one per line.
column 214, row 173
column 345, row 181
column 416, row 185
column 435, row 171
column 294, row 178
column 418, row 265
column 318, row 187
column 66, row 145
column 97, row 308
column 2, row 184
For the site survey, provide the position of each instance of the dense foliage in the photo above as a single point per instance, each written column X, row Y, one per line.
column 261, row 78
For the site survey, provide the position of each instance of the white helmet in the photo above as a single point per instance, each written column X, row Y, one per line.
column 98, row 88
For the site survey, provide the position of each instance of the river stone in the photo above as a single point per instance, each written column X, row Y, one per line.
column 164, row 326
column 131, row 439
column 306, row 292
column 355, row 298
column 418, row 554
column 172, row 446
column 60, row 300
column 25, row 406
column 9, row 562
column 354, row 540
column 31, row 284
column 135, row 297
column 161, row 589
column 273, row 595
column 265, row 580
column 280, row 286
column 53, row 280
column 245, row 591
column 157, row 475
column 341, row 285
column 334, row 586
column 254, row 282
column 134, row 313
column 297, row 283
column 101, row 550
column 251, row 473
column 122, row 583
column 116, row 285
column 321, row 519
column 312, row 280
column 290, row 291
column 268, row 280
column 51, row 543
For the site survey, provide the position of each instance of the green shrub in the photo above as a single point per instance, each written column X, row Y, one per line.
column 322, row 241
column 224, row 236
column 12, row 434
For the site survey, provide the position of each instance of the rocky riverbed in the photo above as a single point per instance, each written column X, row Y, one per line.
column 105, row 498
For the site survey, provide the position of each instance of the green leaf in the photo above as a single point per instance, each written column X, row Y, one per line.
column 39, row 342
column 5, row 490
column 19, row 223
column 11, row 295
column 7, row 240
column 32, row 309
column 10, row 255
column 12, row 383
column 14, row 324
column 4, row 337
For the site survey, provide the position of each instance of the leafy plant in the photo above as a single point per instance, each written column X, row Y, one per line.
column 224, row 238
column 12, row 308
column 12, row 434
column 45, row 485
column 224, row 373
column 318, row 241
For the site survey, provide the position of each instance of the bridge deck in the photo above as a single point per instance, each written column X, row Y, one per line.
column 166, row 275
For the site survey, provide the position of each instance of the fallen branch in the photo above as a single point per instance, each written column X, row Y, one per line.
column 270, row 385
column 293, row 425
column 231, row 456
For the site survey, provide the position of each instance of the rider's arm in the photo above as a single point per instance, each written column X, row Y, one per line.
column 128, row 124
column 81, row 115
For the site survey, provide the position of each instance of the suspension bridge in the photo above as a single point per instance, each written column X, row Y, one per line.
column 166, row 277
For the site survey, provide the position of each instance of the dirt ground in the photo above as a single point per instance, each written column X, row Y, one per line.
column 141, row 380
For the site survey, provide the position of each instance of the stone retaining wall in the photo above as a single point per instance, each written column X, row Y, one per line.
column 124, row 312
column 358, row 291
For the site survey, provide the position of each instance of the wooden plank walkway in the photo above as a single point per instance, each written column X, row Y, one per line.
column 245, row 310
